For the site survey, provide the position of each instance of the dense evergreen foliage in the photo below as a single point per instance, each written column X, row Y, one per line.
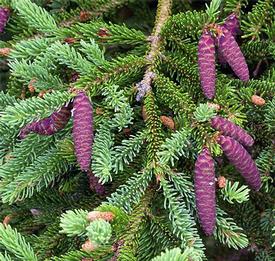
column 109, row 95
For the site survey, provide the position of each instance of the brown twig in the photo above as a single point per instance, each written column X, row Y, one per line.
column 163, row 13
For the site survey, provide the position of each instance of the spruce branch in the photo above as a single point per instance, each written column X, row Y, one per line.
column 183, row 224
column 163, row 13
column 74, row 222
column 15, row 243
column 102, row 153
column 40, row 174
column 5, row 257
column 125, row 153
column 37, row 17
column 129, row 194
column 228, row 233
column 175, row 254
column 232, row 192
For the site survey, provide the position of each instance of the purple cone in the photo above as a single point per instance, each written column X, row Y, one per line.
column 206, row 62
column 4, row 17
column 205, row 191
column 243, row 162
column 83, row 130
column 228, row 128
column 233, row 25
column 231, row 52
column 61, row 117
column 50, row 125
column 95, row 185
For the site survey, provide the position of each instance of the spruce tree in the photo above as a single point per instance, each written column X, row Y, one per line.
column 137, row 130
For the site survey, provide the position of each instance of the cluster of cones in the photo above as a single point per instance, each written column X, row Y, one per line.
column 232, row 142
column 82, row 110
column 223, row 37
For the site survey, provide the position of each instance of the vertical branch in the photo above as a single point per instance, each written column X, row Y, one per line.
column 163, row 13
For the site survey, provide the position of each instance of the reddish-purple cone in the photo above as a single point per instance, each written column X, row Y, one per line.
column 231, row 52
column 243, row 162
column 206, row 62
column 4, row 17
column 50, row 125
column 95, row 185
column 83, row 130
column 228, row 128
column 205, row 191
column 233, row 25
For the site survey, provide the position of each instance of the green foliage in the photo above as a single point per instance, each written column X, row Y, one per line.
column 182, row 222
column 16, row 244
column 117, row 101
column 125, row 153
column 102, row 163
column 42, row 173
column 99, row 232
column 36, row 17
column 129, row 194
column 228, row 232
column 204, row 113
column 106, row 48
column 175, row 254
column 258, row 19
column 178, row 145
column 74, row 223
column 120, row 220
column 32, row 109
column 232, row 192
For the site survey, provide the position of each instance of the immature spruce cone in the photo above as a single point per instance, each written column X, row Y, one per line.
column 206, row 62
column 228, row 128
column 83, row 130
column 231, row 52
column 233, row 25
column 50, row 125
column 4, row 17
column 205, row 191
column 243, row 162
column 94, row 184
column 61, row 117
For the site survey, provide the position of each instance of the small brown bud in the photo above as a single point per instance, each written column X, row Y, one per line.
column 221, row 181
column 99, row 111
column 42, row 93
column 5, row 51
column 257, row 100
column 168, row 122
column 143, row 113
column 102, row 32
column 70, row 40
column 84, row 16
column 31, row 86
column 127, row 131
column 107, row 216
column 93, row 215
column 214, row 106
column 88, row 246
column 7, row 220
